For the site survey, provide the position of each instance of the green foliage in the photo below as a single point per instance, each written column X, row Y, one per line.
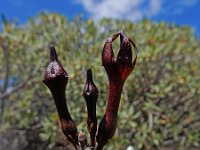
column 160, row 102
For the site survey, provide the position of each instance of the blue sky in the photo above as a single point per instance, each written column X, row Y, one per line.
column 180, row 12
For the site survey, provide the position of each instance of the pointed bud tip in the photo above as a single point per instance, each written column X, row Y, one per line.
column 121, row 32
column 52, row 45
column 89, row 75
column 109, row 40
column 90, row 87
column 123, row 37
column 53, row 54
column 54, row 69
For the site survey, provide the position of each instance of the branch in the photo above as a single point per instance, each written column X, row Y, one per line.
column 5, row 50
column 13, row 90
column 5, row 66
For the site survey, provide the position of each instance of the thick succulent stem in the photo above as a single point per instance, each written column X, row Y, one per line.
column 90, row 94
column 56, row 79
column 108, row 124
column 118, row 71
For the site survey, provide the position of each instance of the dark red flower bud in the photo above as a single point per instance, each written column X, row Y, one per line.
column 90, row 93
column 124, row 57
column 54, row 68
column 107, row 54
column 117, row 70
column 56, row 78
column 108, row 60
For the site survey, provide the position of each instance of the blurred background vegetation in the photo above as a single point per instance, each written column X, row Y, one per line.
column 160, row 105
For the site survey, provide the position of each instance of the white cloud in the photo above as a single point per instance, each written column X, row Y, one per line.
column 155, row 6
column 123, row 9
